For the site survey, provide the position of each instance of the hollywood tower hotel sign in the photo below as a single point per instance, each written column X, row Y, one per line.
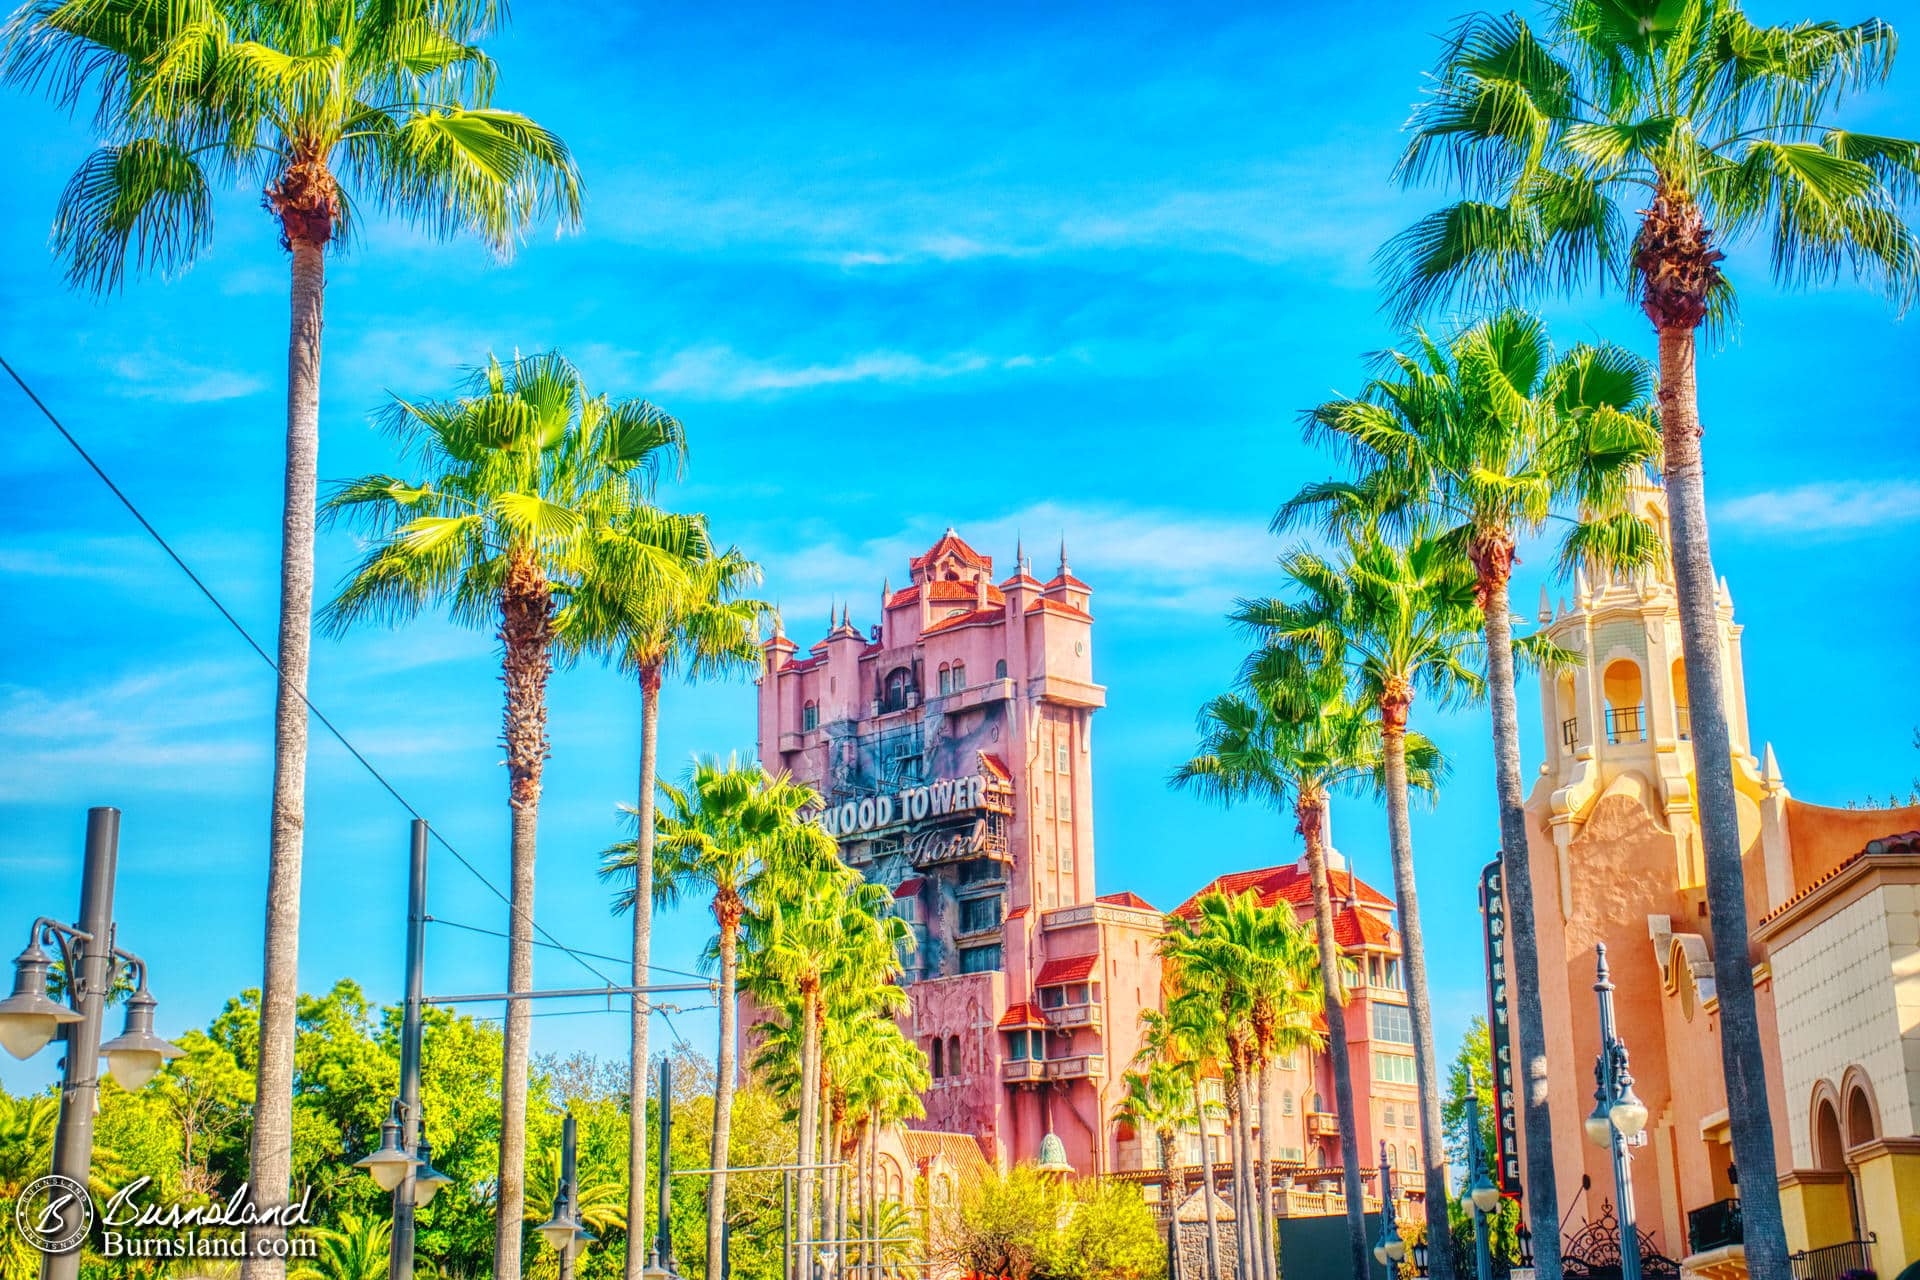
column 951, row 745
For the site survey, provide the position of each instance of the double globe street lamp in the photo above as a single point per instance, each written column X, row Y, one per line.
column 1390, row 1250
column 92, row 969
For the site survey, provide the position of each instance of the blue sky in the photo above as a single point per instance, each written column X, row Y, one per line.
column 1071, row 270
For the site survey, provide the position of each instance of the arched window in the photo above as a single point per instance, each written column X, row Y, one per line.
column 810, row 716
column 1626, row 714
column 959, row 676
column 1000, row 669
column 933, row 1063
column 1393, row 1156
column 1682, row 718
column 953, row 1055
column 899, row 685
column 946, row 680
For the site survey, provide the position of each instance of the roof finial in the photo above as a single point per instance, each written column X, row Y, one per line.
column 1546, row 605
column 1019, row 553
column 845, row 618
column 1770, row 771
column 1064, row 570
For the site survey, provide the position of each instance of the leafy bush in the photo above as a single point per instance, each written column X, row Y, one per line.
column 1027, row 1226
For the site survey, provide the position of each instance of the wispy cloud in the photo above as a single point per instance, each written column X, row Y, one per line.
column 1835, row 507
column 191, row 728
column 721, row 373
column 157, row 375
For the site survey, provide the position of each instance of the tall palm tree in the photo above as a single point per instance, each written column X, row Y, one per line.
column 884, row 1076
column 1156, row 1100
column 703, row 628
column 1492, row 435
column 327, row 107
column 724, row 827
column 1285, row 1004
column 1287, row 739
column 358, row 1248
column 516, row 474
column 1399, row 619
column 1717, row 130
column 1185, row 1035
column 817, row 933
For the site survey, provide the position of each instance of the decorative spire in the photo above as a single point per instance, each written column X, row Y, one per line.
column 1064, row 569
column 1770, row 771
column 1546, row 605
column 1726, row 593
column 1019, row 555
column 1582, row 589
column 845, row 618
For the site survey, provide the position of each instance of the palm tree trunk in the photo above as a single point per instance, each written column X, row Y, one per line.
column 805, row 1179
column 1237, row 1149
column 642, row 957
column 1312, row 816
column 723, row 1087
column 1516, row 874
column 526, row 632
column 1269, row 1244
column 271, row 1157
column 1206, row 1179
column 1741, row 1057
column 1393, row 737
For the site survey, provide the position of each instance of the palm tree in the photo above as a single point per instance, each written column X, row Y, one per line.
column 702, row 628
column 599, row 1201
column 517, row 474
column 1157, row 1101
column 326, row 106
column 1185, row 1035
column 1718, row 130
column 724, row 826
column 1399, row 619
column 884, row 1077
column 1291, row 737
column 819, row 932
column 1490, row 433
column 357, row 1249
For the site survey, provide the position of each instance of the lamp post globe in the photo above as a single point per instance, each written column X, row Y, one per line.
column 427, row 1180
column 28, row 1019
column 1485, row 1196
column 1599, row 1126
column 389, row 1163
column 136, row 1055
column 1629, row 1115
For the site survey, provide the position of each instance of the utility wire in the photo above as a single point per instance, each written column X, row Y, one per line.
column 595, row 955
column 267, row 658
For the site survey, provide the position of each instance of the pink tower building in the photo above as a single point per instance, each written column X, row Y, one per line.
column 952, row 743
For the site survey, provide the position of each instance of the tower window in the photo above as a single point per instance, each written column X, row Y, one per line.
column 959, row 676
column 935, row 1058
column 898, row 686
column 810, row 716
column 1626, row 712
column 1000, row 669
column 946, row 680
column 953, row 1056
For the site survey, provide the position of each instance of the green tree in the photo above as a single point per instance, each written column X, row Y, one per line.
column 328, row 107
column 1186, row 1035
column 724, row 826
column 1399, row 619
column 1156, row 1100
column 1491, row 436
column 359, row 1247
column 520, row 473
column 1717, row 130
column 697, row 623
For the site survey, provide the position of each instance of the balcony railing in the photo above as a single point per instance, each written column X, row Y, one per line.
column 1023, row 1071
column 1079, row 1066
column 1834, row 1261
column 1069, row 1016
column 1323, row 1124
column 1626, row 724
column 1714, row 1227
column 1570, row 731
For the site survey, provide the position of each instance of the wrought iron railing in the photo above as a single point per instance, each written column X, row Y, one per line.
column 1570, row 731
column 1714, row 1226
column 1626, row 724
column 1834, row 1261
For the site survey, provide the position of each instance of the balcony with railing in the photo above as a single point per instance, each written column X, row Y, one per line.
column 1079, row 1066
column 1072, row 1017
column 1714, row 1226
column 1835, row 1261
column 1626, row 724
column 1323, row 1124
column 1570, row 732
column 1022, row 1071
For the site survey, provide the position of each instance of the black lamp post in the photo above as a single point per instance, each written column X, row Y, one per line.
column 29, row 1021
column 1618, row 1115
column 1482, row 1196
column 1390, row 1250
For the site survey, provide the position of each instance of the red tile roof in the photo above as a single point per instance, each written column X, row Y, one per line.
column 909, row 887
column 1044, row 605
column 1021, row 579
column 1292, row 885
column 1019, row 1017
column 966, row 1153
column 953, row 542
column 968, row 618
column 1899, row 843
column 1066, row 969
column 1068, row 580
column 1127, row 899
column 1353, row 927
column 996, row 765
column 1016, row 913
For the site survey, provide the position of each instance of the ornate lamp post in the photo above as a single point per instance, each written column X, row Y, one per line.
column 1618, row 1115
column 564, row 1230
column 1482, row 1196
column 1390, row 1250
column 29, row 1020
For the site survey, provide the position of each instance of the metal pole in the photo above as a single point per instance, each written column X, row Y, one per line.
column 1610, row 1048
column 87, row 989
column 564, row 1194
column 1387, row 1216
column 786, row 1224
column 400, row 1261
column 663, row 1237
column 1476, row 1169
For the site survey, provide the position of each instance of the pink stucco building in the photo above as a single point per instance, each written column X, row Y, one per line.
column 952, row 742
